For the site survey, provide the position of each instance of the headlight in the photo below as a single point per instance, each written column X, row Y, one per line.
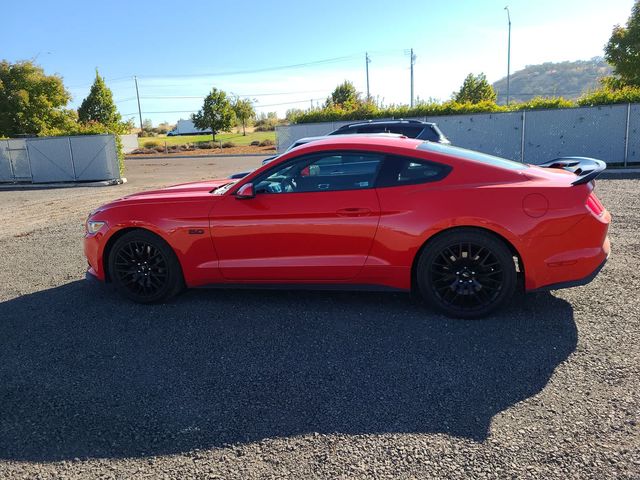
column 93, row 227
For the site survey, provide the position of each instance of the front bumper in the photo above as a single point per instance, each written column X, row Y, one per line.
column 93, row 252
column 90, row 276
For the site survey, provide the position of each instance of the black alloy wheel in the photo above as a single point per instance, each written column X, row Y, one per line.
column 466, row 273
column 144, row 268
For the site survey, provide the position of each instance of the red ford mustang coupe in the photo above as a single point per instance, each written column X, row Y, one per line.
column 461, row 228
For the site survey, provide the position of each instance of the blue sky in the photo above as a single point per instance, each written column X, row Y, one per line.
column 182, row 49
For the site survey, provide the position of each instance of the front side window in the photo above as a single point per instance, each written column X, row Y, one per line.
column 399, row 171
column 322, row 172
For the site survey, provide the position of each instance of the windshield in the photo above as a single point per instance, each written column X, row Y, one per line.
column 223, row 188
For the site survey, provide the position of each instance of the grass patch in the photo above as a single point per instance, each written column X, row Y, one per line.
column 237, row 138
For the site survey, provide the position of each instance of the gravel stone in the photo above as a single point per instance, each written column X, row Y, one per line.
column 293, row 384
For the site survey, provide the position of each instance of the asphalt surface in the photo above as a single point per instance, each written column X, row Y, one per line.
column 272, row 384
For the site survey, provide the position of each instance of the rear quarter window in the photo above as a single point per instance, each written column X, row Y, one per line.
column 472, row 156
column 397, row 171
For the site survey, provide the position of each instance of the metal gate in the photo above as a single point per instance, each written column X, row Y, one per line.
column 14, row 161
column 59, row 159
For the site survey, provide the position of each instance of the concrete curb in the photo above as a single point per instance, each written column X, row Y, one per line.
column 44, row 186
column 620, row 173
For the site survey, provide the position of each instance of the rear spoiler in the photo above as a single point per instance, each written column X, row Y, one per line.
column 585, row 168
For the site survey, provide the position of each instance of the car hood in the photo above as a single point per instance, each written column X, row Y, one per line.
column 174, row 193
column 202, row 186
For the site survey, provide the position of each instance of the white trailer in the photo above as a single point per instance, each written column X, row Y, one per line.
column 186, row 127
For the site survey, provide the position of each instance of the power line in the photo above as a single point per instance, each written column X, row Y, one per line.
column 325, row 61
column 290, row 103
column 125, row 100
column 255, row 70
column 258, row 105
column 178, row 97
column 108, row 80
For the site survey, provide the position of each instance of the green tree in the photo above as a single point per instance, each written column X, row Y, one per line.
column 243, row 108
column 32, row 102
column 623, row 49
column 266, row 122
column 99, row 106
column 292, row 114
column 475, row 89
column 216, row 113
column 344, row 96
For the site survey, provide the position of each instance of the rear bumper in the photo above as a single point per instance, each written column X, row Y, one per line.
column 571, row 259
column 574, row 283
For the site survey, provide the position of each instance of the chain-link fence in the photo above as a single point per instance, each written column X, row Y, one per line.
column 610, row 133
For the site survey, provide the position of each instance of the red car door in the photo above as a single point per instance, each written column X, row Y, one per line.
column 313, row 220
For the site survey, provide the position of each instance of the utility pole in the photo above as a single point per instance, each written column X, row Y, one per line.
column 366, row 63
column 508, row 54
column 413, row 61
column 135, row 79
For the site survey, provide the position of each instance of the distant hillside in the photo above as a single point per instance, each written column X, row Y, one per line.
column 564, row 79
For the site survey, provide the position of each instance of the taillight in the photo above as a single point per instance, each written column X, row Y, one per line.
column 594, row 205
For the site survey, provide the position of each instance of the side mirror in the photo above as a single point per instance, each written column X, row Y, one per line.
column 245, row 191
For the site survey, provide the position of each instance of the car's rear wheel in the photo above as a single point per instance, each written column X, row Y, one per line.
column 466, row 273
column 144, row 268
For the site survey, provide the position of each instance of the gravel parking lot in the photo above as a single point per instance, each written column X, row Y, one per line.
column 262, row 384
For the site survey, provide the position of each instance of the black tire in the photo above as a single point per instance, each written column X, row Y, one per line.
column 466, row 273
column 144, row 268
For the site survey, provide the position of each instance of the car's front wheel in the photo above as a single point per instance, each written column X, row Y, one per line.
column 144, row 268
column 466, row 273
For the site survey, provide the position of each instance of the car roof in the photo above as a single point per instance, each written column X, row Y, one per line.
column 382, row 122
column 354, row 142
column 391, row 139
column 305, row 140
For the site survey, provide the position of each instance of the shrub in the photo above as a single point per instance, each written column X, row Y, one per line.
column 255, row 143
column 204, row 145
column 266, row 123
column 267, row 142
column 539, row 103
column 151, row 144
column 609, row 96
column 228, row 145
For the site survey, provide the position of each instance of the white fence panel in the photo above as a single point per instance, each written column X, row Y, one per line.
column 597, row 132
column 129, row 142
column 495, row 134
